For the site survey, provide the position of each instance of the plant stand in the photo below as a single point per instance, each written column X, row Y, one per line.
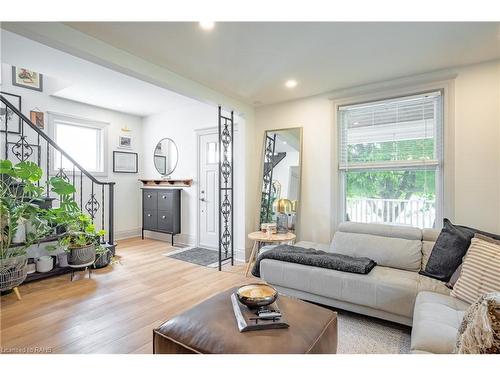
column 13, row 272
column 73, row 270
column 18, row 294
column 81, row 257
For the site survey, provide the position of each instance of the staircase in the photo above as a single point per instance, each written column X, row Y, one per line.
column 275, row 159
column 26, row 142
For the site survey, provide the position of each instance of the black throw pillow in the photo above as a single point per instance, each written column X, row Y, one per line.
column 450, row 247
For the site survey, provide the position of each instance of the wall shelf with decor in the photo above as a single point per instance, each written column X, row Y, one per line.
column 186, row 182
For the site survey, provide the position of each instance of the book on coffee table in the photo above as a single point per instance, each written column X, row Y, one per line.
column 250, row 320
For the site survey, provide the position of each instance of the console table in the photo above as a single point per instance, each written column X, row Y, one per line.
column 161, row 210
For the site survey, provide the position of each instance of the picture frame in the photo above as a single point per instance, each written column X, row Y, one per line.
column 36, row 118
column 27, row 78
column 8, row 121
column 125, row 162
column 125, row 141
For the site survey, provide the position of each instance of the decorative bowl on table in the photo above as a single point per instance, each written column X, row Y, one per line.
column 256, row 295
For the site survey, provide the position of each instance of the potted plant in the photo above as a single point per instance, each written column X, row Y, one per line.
column 103, row 257
column 81, row 242
column 18, row 191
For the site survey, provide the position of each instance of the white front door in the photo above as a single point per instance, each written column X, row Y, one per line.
column 208, row 191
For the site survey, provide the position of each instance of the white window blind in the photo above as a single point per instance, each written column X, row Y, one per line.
column 366, row 128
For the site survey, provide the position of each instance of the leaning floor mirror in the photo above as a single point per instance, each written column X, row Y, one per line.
column 281, row 175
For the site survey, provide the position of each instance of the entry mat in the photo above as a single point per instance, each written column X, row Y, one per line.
column 196, row 255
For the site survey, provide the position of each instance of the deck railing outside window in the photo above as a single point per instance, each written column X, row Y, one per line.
column 414, row 212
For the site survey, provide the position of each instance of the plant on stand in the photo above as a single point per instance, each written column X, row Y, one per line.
column 19, row 190
column 79, row 237
column 82, row 241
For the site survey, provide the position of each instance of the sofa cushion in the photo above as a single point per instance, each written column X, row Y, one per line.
column 383, row 230
column 429, row 237
column 432, row 285
column 450, row 248
column 384, row 288
column 436, row 320
column 386, row 251
column 313, row 245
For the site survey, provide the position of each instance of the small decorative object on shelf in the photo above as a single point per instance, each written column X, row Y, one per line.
column 268, row 228
column 271, row 228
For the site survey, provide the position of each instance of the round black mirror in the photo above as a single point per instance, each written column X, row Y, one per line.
column 165, row 156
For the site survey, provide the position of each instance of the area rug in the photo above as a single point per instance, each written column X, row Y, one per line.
column 359, row 334
column 196, row 255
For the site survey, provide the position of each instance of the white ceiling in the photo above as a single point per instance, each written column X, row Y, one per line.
column 80, row 80
column 252, row 60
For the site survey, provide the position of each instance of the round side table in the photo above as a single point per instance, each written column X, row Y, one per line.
column 260, row 237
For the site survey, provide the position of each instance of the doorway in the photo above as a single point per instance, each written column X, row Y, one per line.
column 208, row 189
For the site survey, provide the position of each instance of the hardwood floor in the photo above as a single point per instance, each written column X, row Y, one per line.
column 116, row 310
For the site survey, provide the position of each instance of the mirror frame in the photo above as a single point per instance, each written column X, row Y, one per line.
column 261, row 174
column 176, row 161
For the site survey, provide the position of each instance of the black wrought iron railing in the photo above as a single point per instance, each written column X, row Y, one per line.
column 26, row 142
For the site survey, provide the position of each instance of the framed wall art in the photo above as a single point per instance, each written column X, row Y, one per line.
column 124, row 141
column 125, row 162
column 27, row 79
column 36, row 118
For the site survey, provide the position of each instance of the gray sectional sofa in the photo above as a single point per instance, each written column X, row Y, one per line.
column 393, row 290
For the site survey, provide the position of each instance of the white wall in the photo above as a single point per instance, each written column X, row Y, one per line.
column 180, row 125
column 127, row 211
column 474, row 195
column 477, row 146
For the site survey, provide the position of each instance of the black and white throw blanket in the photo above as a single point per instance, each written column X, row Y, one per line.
column 315, row 258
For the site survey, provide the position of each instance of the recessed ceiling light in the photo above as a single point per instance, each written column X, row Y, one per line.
column 207, row 25
column 291, row 83
column 284, row 142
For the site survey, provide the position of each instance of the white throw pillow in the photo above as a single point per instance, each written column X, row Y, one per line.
column 480, row 270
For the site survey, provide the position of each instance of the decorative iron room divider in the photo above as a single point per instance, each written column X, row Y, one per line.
column 226, row 180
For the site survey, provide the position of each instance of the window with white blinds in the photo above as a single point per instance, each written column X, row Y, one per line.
column 390, row 159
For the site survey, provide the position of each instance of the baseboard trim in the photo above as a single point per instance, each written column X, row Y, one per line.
column 179, row 239
column 239, row 255
column 127, row 233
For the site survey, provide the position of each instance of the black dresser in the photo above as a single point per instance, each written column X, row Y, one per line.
column 161, row 211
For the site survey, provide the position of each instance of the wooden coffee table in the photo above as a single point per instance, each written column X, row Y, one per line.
column 211, row 328
column 260, row 238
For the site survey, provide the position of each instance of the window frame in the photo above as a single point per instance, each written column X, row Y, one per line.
column 54, row 118
column 390, row 90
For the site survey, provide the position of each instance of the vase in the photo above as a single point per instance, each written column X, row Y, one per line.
column 13, row 272
column 44, row 264
column 62, row 259
column 102, row 260
column 20, row 235
column 79, row 257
